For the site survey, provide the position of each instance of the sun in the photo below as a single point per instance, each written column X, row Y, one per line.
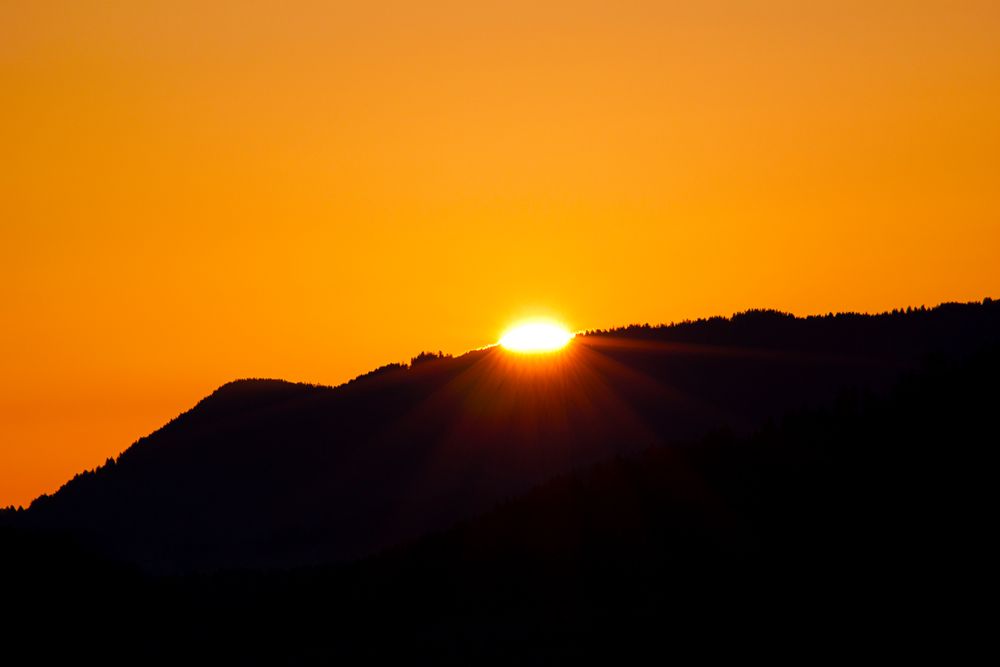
column 536, row 336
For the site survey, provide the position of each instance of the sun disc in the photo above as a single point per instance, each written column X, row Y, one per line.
column 534, row 337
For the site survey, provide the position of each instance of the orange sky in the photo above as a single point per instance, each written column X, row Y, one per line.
column 194, row 191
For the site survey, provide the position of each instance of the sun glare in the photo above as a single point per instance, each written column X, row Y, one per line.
column 533, row 337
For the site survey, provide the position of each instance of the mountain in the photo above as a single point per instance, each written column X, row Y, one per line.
column 859, row 525
column 264, row 474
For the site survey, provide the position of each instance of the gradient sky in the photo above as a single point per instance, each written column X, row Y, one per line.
column 193, row 191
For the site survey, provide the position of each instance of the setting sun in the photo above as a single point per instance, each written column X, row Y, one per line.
column 533, row 337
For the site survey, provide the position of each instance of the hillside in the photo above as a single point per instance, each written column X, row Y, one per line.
column 856, row 526
column 269, row 474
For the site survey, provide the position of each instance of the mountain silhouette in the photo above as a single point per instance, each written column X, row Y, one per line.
column 264, row 473
column 857, row 520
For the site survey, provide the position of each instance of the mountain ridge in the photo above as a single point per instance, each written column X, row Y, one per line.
column 865, row 520
column 297, row 473
column 236, row 386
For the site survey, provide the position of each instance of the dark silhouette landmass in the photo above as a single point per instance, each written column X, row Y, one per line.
column 643, row 485
column 265, row 473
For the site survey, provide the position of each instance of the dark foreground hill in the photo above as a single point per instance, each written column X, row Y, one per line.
column 269, row 474
column 861, row 527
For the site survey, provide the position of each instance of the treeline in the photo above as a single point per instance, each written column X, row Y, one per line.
column 763, row 314
column 898, row 329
